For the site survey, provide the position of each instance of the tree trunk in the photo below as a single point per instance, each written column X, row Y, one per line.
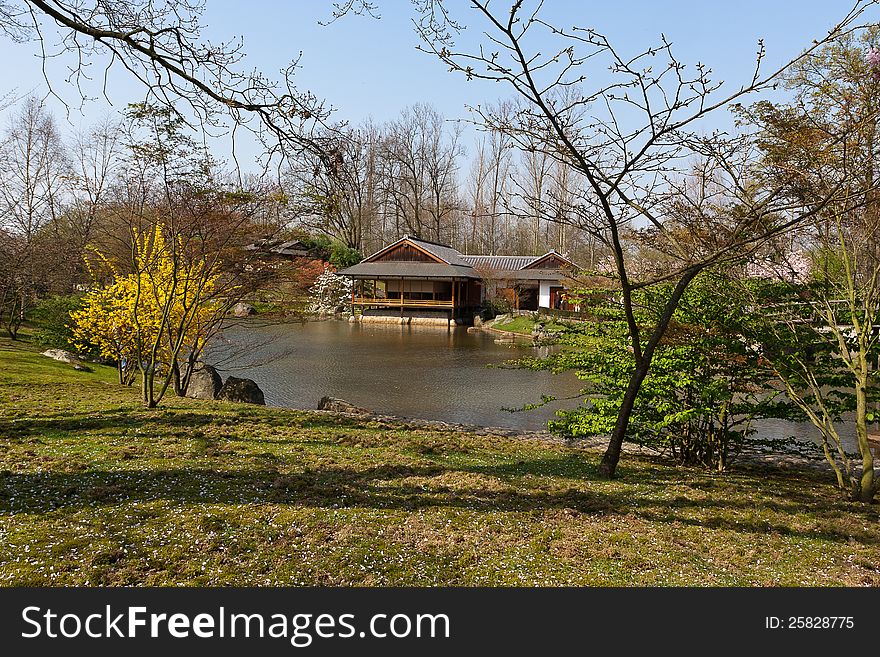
column 608, row 465
column 176, row 380
column 145, row 387
column 865, row 491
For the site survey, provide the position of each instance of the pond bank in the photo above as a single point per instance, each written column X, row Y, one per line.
column 751, row 455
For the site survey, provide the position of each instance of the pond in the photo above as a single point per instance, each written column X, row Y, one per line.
column 423, row 372
column 409, row 371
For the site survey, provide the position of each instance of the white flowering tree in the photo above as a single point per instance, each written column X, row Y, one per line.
column 330, row 293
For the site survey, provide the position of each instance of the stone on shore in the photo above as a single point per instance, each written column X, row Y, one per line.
column 340, row 406
column 242, row 309
column 244, row 391
column 204, row 383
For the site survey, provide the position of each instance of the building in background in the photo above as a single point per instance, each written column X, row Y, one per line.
column 417, row 279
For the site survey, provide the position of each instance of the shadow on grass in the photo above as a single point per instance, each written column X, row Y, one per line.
column 393, row 487
column 99, row 420
column 175, row 418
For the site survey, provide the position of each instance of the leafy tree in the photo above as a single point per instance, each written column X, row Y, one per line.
column 105, row 324
column 629, row 125
column 52, row 316
column 332, row 250
column 706, row 386
column 823, row 337
column 818, row 351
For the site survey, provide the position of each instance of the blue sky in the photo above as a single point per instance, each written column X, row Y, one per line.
column 367, row 67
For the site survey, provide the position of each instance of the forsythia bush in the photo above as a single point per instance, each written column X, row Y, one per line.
column 153, row 317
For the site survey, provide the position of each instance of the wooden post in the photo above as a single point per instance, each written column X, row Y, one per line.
column 401, row 295
column 454, row 283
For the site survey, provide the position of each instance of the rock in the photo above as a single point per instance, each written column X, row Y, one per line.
column 340, row 406
column 544, row 335
column 242, row 309
column 97, row 360
column 244, row 391
column 61, row 355
column 79, row 367
column 354, row 319
column 204, row 383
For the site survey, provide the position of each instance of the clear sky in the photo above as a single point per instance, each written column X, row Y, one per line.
column 367, row 67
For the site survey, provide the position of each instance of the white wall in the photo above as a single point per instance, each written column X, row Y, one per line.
column 544, row 294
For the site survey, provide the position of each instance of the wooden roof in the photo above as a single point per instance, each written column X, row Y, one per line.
column 410, row 257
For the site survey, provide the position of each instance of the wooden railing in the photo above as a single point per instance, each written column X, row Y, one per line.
column 397, row 303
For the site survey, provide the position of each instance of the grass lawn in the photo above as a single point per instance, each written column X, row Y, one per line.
column 525, row 325
column 96, row 490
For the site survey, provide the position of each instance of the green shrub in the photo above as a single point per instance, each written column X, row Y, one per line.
column 52, row 317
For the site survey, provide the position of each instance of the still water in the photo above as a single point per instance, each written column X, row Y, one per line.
column 418, row 372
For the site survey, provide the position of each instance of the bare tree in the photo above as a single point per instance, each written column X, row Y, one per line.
column 535, row 172
column 628, row 136
column 441, row 153
column 32, row 182
column 421, row 163
column 96, row 159
column 34, row 164
column 340, row 201
column 162, row 45
column 489, row 190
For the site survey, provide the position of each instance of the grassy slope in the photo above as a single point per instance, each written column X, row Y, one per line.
column 95, row 490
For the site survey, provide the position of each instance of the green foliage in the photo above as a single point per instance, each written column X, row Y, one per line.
column 333, row 251
column 342, row 256
column 495, row 307
column 52, row 319
column 705, row 387
column 823, row 350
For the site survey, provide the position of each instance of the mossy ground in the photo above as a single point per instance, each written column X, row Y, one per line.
column 96, row 490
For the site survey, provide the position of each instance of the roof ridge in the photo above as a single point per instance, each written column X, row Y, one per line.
column 485, row 255
column 420, row 239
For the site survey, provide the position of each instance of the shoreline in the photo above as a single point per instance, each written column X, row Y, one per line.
column 749, row 456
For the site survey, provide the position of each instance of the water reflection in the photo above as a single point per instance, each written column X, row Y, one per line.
column 420, row 372
column 423, row 372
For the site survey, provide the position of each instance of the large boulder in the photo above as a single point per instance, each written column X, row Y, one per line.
column 204, row 383
column 61, row 355
column 241, row 390
column 242, row 309
column 340, row 406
